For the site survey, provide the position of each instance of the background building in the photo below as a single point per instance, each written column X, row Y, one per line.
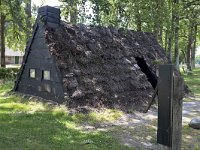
column 13, row 57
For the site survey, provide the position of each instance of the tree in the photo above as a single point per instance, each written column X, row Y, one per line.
column 71, row 10
column 28, row 18
column 2, row 30
column 192, row 9
column 169, row 20
column 13, row 25
column 175, row 23
column 176, row 33
column 194, row 47
column 158, row 21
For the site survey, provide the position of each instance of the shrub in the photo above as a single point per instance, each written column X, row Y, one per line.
column 8, row 73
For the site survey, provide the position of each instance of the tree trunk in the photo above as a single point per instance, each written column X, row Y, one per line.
column 166, row 38
column 2, row 30
column 28, row 19
column 171, row 33
column 189, row 47
column 138, row 19
column 160, row 36
column 185, row 56
column 170, row 46
column 176, row 34
column 194, row 47
column 137, row 16
column 73, row 12
column 158, row 21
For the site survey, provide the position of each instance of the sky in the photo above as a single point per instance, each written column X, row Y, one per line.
column 46, row 2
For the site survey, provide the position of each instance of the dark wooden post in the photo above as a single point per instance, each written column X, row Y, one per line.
column 165, row 97
column 177, row 113
column 169, row 109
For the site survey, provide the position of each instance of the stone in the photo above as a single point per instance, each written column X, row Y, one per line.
column 195, row 123
column 88, row 54
column 69, row 75
column 77, row 72
column 92, row 46
column 77, row 94
column 88, row 141
column 72, row 84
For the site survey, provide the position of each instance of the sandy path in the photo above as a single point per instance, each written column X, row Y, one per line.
column 139, row 129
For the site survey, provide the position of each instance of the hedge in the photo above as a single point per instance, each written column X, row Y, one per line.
column 8, row 73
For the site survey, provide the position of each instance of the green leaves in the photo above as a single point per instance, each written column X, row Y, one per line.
column 15, row 23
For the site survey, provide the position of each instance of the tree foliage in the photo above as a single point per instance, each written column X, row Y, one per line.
column 175, row 23
column 15, row 24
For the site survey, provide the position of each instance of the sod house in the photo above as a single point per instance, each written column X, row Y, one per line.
column 83, row 65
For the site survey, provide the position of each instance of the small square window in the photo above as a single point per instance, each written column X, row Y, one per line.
column 9, row 58
column 32, row 73
column 46, row 75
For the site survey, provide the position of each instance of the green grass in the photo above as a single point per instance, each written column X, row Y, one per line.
column 28, row 125
column 193, row 81
column 191, row 138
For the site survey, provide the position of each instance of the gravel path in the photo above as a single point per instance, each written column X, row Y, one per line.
column 190, row 110
column 139, row 129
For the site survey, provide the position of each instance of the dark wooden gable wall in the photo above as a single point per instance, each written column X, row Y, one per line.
column 39, row 58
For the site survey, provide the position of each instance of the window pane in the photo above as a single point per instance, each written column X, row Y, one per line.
column 9, row 58
column 46, row 75
column 32, row 73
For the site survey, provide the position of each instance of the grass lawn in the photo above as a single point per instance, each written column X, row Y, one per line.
column 193, row 81
column 191, row 137
column 13, row 66
column 28, row 125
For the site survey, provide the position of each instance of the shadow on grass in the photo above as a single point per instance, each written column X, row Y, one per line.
column 139, row 136
column 47, row 131
column 26, row 124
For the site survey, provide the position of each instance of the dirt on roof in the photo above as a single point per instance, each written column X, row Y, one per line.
column 105, row 66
